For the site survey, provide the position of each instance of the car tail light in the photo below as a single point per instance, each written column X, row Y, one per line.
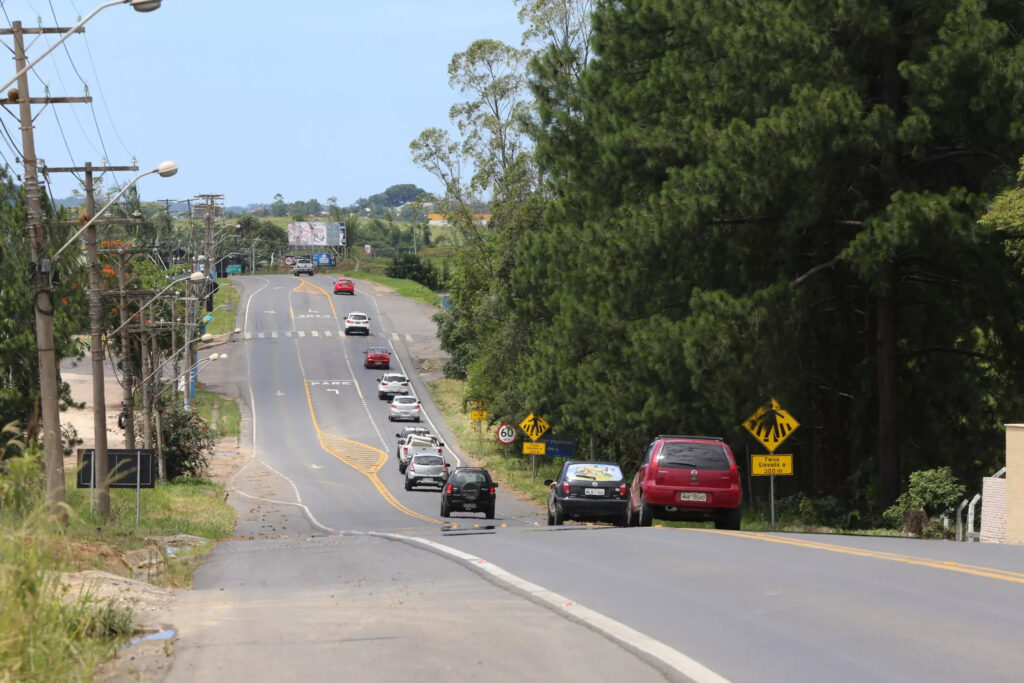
column 448, row 489
column 394, row 405
column 492, row 490
column 417, row 406
column 734, row 474
column 439, row 451
column 565, row 487
column 412, row 467
column 622, row 490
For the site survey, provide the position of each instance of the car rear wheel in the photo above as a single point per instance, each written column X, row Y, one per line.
column 401, row 468
column 408, row 485
column 490, row 512
column 645, row 512
column 556, row 515
column 446, row 510
column 551, row 519
column 729, row 519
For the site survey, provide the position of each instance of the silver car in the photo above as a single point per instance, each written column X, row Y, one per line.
column 404, row 408
column 426, row 470
column 418, row 445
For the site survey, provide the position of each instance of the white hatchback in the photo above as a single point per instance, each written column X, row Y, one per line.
column 357, row 322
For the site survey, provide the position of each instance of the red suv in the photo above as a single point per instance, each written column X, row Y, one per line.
column 688, row 478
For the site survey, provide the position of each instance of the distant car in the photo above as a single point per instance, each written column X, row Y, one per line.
column 589, row 492
column 408, row 432
column 392, row 384
column 469, row 489
column 426, row 469
column 357, row 322
column 344, row 286
column 377, row 357
column 689, row 478
column 404, row 408
column 303, row 264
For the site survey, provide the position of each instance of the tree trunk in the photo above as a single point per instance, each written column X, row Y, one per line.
column 887, row 379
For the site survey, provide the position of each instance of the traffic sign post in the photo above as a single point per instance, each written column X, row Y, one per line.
column 534, row 426
column 771, row 425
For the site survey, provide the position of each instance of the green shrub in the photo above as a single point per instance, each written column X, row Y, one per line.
column 188, row 440
column 934, row 491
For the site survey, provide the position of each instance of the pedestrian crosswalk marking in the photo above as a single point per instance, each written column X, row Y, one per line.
column 260, row 335
column 315, row 333
column 408, row 337
column 273, row 335
column 394, row 336
column 301, row 333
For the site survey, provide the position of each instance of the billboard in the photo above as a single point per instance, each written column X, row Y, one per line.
column 317, row 234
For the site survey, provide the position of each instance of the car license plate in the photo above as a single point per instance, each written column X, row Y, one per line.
column 470, row 506
column 594, row 492
column 430, row 480
column 695, row 497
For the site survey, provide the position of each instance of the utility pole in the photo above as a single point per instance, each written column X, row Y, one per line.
column 42, row 268
column 100, row 461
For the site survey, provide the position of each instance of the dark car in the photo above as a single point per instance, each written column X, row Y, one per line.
column 688, row 478
column 469, row 489
column 589, row 492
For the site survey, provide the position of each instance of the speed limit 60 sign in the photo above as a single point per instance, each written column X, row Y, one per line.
column 506, row 433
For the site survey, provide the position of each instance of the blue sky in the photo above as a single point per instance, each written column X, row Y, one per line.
column 308, row 98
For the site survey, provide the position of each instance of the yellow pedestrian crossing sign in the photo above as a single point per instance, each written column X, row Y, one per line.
column 534, row 426
column 771, row 425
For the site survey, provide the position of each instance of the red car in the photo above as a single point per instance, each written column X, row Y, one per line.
column 688, row 478
column 377, row 357
column 344, row 286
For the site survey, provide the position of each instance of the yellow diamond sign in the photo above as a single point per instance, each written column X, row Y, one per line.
column 534, row 426
column 771, row 425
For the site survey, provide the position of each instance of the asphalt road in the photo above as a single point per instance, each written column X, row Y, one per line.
column 323, row 503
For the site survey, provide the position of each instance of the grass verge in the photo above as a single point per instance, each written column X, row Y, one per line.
column 224, row 318
column 228, row 416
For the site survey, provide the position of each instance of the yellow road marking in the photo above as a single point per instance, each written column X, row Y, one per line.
column 986, row 572
column 362, row 458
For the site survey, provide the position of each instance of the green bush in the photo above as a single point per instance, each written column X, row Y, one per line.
column 188, row 440
column 934, row 491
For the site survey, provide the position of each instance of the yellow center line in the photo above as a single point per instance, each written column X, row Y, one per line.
column 362, row 458
column 974, row 570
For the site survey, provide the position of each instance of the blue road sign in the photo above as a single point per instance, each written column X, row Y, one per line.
column 562, row 447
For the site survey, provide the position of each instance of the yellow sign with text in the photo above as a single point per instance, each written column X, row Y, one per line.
column 478, row 414
column 534, row 448
column 534, row 426
column 771, row 465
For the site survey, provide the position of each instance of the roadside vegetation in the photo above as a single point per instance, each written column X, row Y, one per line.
column 48, row 633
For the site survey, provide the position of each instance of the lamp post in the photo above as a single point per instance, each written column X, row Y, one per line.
column 41, row 299
column 96, row 331
column 191, row 277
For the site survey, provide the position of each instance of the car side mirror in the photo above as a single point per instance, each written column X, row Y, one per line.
column 447, row 464
column 494, row 484
column 440, row 444
column 548, row 482
column 400, row 439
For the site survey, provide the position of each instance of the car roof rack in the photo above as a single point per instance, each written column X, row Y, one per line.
column 689, row 436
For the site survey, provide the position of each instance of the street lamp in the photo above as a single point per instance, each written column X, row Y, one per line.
column 137, row 5
column 166, row 169
column 205, row 338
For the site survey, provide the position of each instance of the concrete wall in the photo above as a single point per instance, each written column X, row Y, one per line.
column 993, row 510
column 1015, row 483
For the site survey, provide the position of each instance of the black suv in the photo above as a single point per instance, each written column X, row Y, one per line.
column 469, row 489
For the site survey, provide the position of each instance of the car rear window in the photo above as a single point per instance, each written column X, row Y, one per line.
column 394, row 378
column 594, row 472
column 471, row 478
column 696, row 456
column 357, row 317
column 429, row 460
column 406, row 399
column 376, row 349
